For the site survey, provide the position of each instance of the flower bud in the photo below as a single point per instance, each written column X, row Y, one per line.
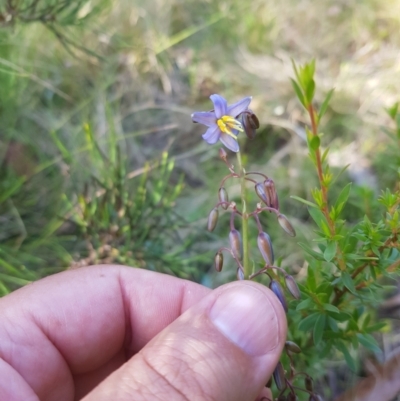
column 278, row 291
column 218, row 261
column 223, row 197
column 292, row 347
column 291, row 397
column 265, row 248
column 212, row 219
column 282, row 397
column 235, row 241
column 308, row 383
column 285, row 224
column 262, row 194
column 222, row 154
column 279, row 377
column 240, row 274
column 292, row 286
column 250, row 123
column 315, row 397
column 269, row 186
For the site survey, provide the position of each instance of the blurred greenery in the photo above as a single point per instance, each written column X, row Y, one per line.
column 99, row 160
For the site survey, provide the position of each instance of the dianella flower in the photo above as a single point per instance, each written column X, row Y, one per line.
column 222, row 122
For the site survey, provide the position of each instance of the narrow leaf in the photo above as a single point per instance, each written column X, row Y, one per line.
column 311, row 252
column 299, row 92
column 319, row 329
column 306, row 202
column 330, row 251
column 325, row 104
column 348, row 282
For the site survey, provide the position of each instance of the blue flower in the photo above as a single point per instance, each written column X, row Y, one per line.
column 222, row 122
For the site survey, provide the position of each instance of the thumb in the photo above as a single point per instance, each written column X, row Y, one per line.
column 224, row 348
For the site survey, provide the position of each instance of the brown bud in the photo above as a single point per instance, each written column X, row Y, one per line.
column 278, row 291
column 282, row 397
column 212, row 219
column 269, row 186
column 218, row 261
column 265, row 248
column 235, row 241
column 222, row 154
column 308, row 383
column 240, row 274
column 250, row 123
column 291, row 397
column 292, row 286
column 279, row 377
column 292, row 347
column 262, row 194
column 285, row 224
column 223, row 197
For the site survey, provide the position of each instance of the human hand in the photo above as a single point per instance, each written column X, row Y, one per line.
column 124, row 334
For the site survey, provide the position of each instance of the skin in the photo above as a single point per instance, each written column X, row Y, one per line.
column 119, row 333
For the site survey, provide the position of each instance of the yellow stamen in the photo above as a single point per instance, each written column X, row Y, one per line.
column 227, row 123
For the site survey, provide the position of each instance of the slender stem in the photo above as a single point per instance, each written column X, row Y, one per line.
column 245, row 217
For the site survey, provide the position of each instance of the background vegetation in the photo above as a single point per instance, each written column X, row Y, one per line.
column 99, row 160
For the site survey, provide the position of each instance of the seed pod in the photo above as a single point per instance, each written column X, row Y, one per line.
column 265, row 248
column 223, row 197
column 279, row 377
column 212, row 219
column 271, row 191
column 222, row 154
column 292, row 347
column 262, row 194
column 292, row 286
column 218, row 261
column 308, row 383
column 285, row 224
column 235, row 241
column 250, row 123
column 278, row 291
column 239, row 274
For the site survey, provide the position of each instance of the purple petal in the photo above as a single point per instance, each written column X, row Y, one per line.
column 206, row 118
column 220, row 105
column 239, row 107
column 229, row 142
column 212, row 135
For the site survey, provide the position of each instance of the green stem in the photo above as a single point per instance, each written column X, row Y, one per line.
column 245, row 218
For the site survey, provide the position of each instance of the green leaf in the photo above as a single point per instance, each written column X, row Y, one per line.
column 314, row 143
column 354, row 256
column 333, row 325
column 348, row 282
column 376, row 327
column 325, row 104
column 392, row 111
column 320, row 219
column 349, row 359
column 311, row 252
column 308, row 322
column 331, row 308
column 368, row 342
column 311, row 281
column 306, row 202
column 310, row 90
column 306, row 304
column 299, row 92
column 342, row 198
column 340, row 173
column 319, row 329
column 330, row 251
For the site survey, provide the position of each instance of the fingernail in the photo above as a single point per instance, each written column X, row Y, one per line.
column 247, row 317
